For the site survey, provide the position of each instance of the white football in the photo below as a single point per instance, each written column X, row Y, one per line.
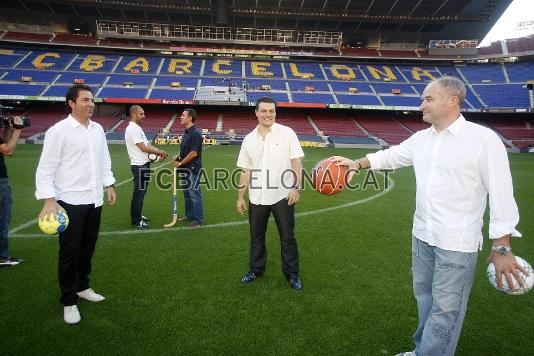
column 152, row 157
column 527, row 280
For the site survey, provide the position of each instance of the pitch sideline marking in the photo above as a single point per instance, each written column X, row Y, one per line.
column 34, row 220
column 391, row 184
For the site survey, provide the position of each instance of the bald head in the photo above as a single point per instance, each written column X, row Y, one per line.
column 137, row 114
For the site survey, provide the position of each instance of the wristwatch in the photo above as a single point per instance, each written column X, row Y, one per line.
column 502, row 250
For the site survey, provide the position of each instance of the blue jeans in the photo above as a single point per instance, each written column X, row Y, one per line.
column 189, row 183
column 442, row 281
column 6, row 204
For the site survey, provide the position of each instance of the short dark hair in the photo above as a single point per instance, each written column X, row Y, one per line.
column 73, row 92
column 265, row 99
column 192, row 113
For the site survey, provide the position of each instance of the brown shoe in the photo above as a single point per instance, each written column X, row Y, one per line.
column 184, row 219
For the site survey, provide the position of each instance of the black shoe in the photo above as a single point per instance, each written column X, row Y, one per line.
column 141, row 225
column 10, row 261
column 295, row 283
column 145, row 219
column 248, row 277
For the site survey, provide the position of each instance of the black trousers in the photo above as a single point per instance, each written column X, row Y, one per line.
column 284, row 215
column 76, row 246
column 141, row 177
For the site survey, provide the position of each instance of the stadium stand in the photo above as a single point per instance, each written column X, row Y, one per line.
column 385, row 128
column 337, row 124
column 154, row 77
column 241, row 122
column 297, row 120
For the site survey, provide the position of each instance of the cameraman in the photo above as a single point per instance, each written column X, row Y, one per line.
column 8, row 142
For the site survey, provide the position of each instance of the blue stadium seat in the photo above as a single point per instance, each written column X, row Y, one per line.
column 299, row 70
column 93, row 63
column 36, row 75
column 345, row 86
column 21, row 89
column 8, row 57
column 172, row 94
column 397, row 100
column 136, row 79
column 357, row 99
column 263, row 69
column 388, row 87
column 143, row 64
column 222, row 68
column 181, row 66
column 301, row 85
column 278, row 97
column 520, row 72
column 313, row 98
column 89, row 78
column 185, row 82
column 51, row 60
column 276, row 84
column 109, row 92
column 476, row 73
column 504, row 95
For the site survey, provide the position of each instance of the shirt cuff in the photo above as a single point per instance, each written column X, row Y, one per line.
column 374, row 160
column 109, row 182
column 499, row 230
column 44, row 194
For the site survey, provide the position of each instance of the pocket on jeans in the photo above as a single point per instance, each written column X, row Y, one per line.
column 451, row 271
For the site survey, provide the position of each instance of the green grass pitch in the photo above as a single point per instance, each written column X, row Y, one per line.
column 177, row 291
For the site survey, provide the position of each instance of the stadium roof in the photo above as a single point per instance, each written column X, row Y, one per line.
column 365, row 21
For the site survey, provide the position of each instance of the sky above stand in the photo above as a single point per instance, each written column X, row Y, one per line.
column 519, row 10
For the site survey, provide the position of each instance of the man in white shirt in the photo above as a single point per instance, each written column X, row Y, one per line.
column 73, row 169
column 270, row 159
column 457, row 164
column 138, row 151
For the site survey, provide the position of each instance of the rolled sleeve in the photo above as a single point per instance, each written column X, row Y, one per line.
column 107, row 174
column 295, row 150
column 243, row 161
column 394, row 157
column 495, row 173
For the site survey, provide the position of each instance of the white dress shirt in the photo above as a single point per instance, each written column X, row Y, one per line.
column 269, row 160
column 455, row 170
column 75, row 164
column 133, row 135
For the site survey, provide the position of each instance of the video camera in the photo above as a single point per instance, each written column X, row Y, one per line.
column 6, row 121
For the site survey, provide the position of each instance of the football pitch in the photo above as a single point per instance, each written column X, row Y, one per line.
column 177, row 290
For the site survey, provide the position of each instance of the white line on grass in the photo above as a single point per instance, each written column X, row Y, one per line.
column 34, row 221
column 391, row 185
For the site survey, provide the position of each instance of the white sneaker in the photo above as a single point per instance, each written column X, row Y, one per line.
column 90, row 295
column 71, row 315
column 409, row 353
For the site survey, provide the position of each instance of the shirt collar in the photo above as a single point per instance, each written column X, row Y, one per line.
column 271, row 129
column 453, row 128
column 75, row 123
column 191, row 128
